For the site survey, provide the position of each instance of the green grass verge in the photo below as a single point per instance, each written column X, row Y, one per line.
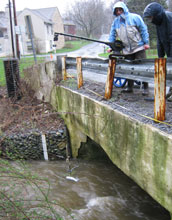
column 23, row 63
column 72, row 45
column 2, row 76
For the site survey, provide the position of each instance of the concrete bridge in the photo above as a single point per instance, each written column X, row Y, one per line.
column 141, row 151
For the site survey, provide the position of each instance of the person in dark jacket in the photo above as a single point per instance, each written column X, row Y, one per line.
column 163, row 21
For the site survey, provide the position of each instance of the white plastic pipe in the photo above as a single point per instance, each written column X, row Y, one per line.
column 44, row 146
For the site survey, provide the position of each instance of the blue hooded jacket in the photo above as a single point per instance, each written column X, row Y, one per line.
column 130, row 29
column 163, row 21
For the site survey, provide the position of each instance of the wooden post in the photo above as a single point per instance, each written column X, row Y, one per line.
column 64, row 73
column 79, row 72
column 110, row 78
column 160, row 89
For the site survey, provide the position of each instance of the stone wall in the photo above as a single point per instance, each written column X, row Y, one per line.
column 29, row 146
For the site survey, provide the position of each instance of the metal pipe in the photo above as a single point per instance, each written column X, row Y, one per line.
column 31, row 37
column 116, row 46
column 11, row 27
column 15, row 22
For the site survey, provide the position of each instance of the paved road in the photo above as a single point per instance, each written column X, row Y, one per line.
column 91, row 50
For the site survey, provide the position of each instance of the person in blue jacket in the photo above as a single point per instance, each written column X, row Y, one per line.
column 132, row 31
column 163, row 21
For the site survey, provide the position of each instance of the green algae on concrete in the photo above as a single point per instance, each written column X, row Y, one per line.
column 139, row 150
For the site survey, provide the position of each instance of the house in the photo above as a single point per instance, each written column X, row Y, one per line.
column 69, row 28
column 4, row 41
column 44, row 23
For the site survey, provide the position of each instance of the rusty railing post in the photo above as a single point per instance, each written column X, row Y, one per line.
column 160, row 89
column 64, row 73
column 110, row 78
column 79, row 72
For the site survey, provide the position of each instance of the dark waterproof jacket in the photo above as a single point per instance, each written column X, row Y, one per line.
column 163, row 21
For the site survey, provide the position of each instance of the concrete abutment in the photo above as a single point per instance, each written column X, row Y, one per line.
column 141, row 151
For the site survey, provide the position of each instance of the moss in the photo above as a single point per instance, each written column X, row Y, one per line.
column 136, row 149
column 139, row 150
column 159, row 165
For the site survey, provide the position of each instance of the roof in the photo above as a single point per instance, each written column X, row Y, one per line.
column 46, row 14
column 68, row 22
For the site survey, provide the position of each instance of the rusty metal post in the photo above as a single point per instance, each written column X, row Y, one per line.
column 110, row 78
column 79, row 72
column 64, row 73
column 160, row 89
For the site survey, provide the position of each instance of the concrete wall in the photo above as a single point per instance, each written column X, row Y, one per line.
column 141, row 151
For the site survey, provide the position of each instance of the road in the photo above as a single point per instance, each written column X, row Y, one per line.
column 91, row 50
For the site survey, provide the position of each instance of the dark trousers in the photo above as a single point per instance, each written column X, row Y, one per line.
column 138, row 55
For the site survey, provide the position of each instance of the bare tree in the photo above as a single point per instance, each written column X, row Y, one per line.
column 89, row 16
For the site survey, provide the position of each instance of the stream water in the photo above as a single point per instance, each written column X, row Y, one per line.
column 100, row 191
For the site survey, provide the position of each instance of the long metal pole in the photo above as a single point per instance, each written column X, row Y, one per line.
column 31, row 37
column 15, row 22
column 11, row 27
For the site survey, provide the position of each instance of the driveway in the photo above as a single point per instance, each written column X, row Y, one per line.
column 92, row 49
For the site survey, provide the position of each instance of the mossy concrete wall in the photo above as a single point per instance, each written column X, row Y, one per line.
column 141, row 151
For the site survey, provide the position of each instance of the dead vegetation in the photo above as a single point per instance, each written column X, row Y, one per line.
column 26, row 114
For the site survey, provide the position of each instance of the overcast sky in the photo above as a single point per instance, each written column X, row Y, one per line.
column 35, row 4
column 62, row 5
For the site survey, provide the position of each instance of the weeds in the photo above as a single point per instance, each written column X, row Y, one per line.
column 16, row 200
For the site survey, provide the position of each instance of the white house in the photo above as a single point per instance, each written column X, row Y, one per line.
column 44, row 23
column 4, row 41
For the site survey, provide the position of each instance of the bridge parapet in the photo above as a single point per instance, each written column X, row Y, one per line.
column 157, row 71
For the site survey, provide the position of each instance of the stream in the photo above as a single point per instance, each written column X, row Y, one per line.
column 97, row 190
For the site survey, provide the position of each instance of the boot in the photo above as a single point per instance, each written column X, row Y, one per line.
column 169, row 95
column 145, row 89
column 129, row 88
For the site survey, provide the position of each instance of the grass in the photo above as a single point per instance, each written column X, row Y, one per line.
column 72, row 45
column 23, row 63
column 2, row 76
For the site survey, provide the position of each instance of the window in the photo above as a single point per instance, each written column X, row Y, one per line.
column 47, row 29
column 1, row 33
column 29, row 45
column 52, row 29
column 51, row 45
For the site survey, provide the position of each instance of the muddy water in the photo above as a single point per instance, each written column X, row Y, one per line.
column 99, row 191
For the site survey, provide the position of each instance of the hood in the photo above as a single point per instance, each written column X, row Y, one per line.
column 155, row 10
column 121, row 5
